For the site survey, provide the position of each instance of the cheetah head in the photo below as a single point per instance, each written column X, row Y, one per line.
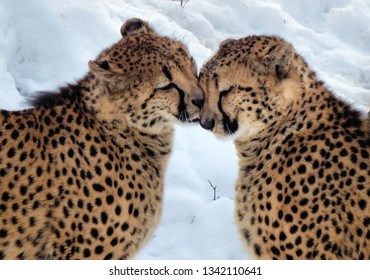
column 150, row 80
column 247, row 84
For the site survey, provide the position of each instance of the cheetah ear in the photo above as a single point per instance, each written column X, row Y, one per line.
column 278, row 59
column 135, row 25
column 102, row 71
column 226, row 41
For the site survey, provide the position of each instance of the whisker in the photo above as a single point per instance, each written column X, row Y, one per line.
column 229, row 131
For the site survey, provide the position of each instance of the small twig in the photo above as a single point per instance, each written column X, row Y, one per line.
column 214, row 190
column 183, row 3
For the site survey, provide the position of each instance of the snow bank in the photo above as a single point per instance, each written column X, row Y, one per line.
column 45, row 44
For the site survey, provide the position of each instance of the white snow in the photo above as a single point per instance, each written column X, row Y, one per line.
column 45, row 44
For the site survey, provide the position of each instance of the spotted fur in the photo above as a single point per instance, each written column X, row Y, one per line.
column 81, row 174
column 303, row 189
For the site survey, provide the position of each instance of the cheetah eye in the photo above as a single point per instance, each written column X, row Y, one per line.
column 226, row 91
column 167, row 87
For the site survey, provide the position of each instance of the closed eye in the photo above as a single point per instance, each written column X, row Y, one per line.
column 226, row 91
column 168, row 87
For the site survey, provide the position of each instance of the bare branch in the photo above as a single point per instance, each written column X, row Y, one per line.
column 183, row 3
column 214, row 190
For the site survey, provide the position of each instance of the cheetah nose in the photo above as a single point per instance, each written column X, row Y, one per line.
column 207, row 124
column 198, row 102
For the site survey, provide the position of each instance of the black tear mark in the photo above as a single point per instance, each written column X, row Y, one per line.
column 167, row 73
column 183, row 113
column 229, row 126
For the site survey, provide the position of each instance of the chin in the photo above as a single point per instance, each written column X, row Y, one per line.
column 223, row 135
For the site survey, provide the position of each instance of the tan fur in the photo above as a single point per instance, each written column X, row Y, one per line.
column 303, row 189
column 81, row 174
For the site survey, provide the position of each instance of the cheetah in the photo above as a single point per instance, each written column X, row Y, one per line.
column 303, row 186
column 82, row 171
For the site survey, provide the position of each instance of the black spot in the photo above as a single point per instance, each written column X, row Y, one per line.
column 257, row 250
column 364, row 154
column 104, row 217
column 120, row 192
column 114, row 242
column 135, row 157
column 23, row 190
column 98, row 171
column 287, row 199
column 311, row 179
column 302, row 169
column 11, row 153
column 108, row 166
column 47, row 120
column 110, row 199
column 288, row 218
column 87, row 253
column 2, row 172
column 298, row 241
column 110, row 231
column 94, row 233
column 93, row 151
column 299, row 252
column 362, row 204
column 98, row 187
column 142, row 197
column 343, row 153
column 118, row 210
column 130, row 208
column 363, row 166
column 293, row 229
column 39, row 171
column 70, row 153
column 136, row 213
column 3, row 233
column 125, row 227
column 98, row 201
column 14, row 134
column 304, row 215
column 366, row 221
column 282, row 236
column 275, row 251
column 350, row 217
column 108, row 181
column 99, row 250
column 5, row 197
column 303, row 202
column 86, row 192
